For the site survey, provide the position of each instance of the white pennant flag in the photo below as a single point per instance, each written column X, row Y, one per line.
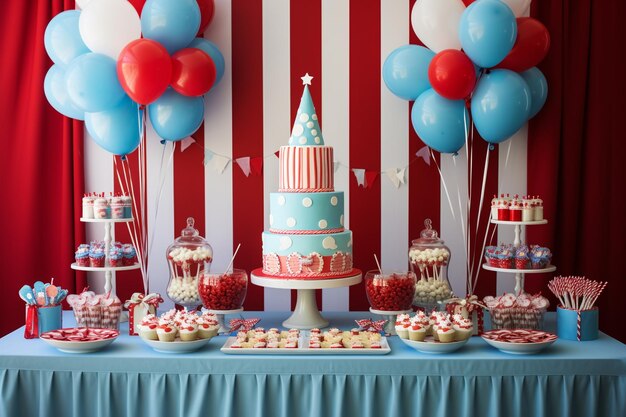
column 359, row 174
column 392, row 174
column 336, row 166
column 401, row 174
column 219, row 163
column 187, row 142
column 244, row 164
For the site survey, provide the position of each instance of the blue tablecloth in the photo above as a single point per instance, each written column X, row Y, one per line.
column 129, row 378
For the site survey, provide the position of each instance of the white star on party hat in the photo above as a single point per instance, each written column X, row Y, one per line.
column 306, row 80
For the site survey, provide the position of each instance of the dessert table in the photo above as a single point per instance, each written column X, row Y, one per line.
column 129, row 378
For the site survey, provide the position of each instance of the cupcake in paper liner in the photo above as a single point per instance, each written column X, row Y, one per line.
column 540, row 257
column 522, row 260
column 130, row 254
column 96, row 258
column 505, row 259
column 116, row 257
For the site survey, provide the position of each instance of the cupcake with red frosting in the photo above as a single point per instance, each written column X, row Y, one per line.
column 148, row 327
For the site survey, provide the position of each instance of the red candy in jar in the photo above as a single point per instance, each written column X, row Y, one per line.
column 223, row 291
column 390, row 292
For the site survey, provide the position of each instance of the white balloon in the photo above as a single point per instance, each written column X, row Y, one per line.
column 520, row 7
column 82, row 3
column 107, row 26
column 436, row 23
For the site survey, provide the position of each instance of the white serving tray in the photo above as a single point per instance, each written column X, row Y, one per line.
column 303, row 349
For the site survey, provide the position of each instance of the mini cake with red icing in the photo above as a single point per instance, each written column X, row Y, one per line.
column 148, row 327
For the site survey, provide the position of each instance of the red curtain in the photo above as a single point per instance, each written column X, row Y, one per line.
column 576, row 156
column 41, row 164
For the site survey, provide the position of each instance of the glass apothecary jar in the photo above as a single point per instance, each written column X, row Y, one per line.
column 189, row 257
column 429, row 259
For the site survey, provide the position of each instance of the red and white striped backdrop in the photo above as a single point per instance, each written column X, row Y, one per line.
column 268, row 45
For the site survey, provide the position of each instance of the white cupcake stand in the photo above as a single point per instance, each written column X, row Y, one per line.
column 109, row 271
column 306, row 315
column 519, row 273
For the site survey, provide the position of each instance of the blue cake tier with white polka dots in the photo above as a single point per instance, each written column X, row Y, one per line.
column 306, row 212
column 323, row 244
column 306, row 129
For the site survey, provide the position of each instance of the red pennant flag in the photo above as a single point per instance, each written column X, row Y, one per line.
column 370, row 178
column 277, row 153
column 256, row 165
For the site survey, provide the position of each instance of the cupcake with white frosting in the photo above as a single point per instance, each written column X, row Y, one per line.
column 445, row 331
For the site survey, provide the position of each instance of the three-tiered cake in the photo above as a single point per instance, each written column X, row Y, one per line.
column 307, row 239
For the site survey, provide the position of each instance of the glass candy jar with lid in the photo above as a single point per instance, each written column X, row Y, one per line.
column 188, row 258
column 429, row 259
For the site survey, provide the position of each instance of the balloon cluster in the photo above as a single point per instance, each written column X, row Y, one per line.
column 106, row 73
column 482, row 57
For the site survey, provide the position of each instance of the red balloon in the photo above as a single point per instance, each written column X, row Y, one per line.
column 207, row 8
column 144, row 69
column 530, row 48
column 467, row 2
column 452, row 74
column 193, row 72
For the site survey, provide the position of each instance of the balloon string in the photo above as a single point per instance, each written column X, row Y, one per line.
column 508, row 152
column 480, row 206
column 443, row 181
column 462, row 221
column 162, row 176
column 137, row 224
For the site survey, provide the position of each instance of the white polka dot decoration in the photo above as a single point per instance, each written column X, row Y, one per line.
column 305, row 117
column 314, row 117
column 323, row 224
column 302, row 140
column 317, row 139
column 333, row 200
column 310, row 125
column 285, row 242
column 314, row 132
column 307, row 202
column 281, row 200
column 341, row 220
column 298, row 130
column 291, row 222
column 329, row 243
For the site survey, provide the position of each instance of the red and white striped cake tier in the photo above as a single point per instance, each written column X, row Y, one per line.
column 306, row 169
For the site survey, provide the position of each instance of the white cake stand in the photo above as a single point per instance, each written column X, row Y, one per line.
column 390, row 316
column 306, row 315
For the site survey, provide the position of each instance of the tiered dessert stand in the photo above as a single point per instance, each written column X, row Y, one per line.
column 306, row 315
column 519, row 273
column 109, row 271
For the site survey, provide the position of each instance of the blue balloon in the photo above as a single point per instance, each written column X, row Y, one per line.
column 116, row 130
column 174, row 116
column 487, row 31
column 538, row 86
column 211, row 50
column 500, row 105
column 405, row 71
column 62, row 39
column 56, row 93
column 92, row 83
column 440, row 122
column 173, row 23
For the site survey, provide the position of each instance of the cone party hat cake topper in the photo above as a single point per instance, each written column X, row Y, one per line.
column 306, row 129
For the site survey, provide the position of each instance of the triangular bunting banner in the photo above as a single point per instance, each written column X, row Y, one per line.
column 185, row 143
column 359, row 174
column 370, row 178
column 401, row 175
column 256, row 165
column 208, row 156
column 219, row 163
column 393, row 177
column 244, row 164
column 424, row 153
column 336, row 166
column 277, row 153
